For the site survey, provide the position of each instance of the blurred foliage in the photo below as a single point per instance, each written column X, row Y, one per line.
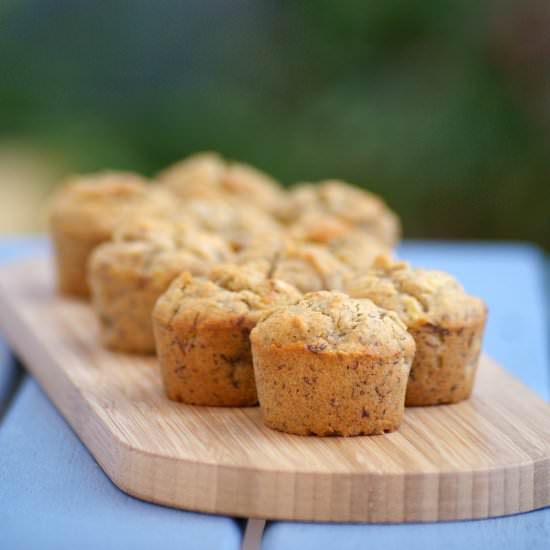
column 443, row 107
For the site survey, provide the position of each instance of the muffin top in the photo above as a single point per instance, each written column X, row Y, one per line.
column 196, row 175
column 231, row 292
column 208, row 175
column 317, row 227
column 344, row 203
column 238, row 222
column 156, row 249
column 174, row 233
column 308, row 267
column 266, row 247
column 141, row 263
column 332, row 322
column 357, row 250
column 162, row 230
column 418, row 296
column 97, row 202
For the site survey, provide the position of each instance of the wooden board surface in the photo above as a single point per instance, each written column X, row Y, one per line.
column 486, row 457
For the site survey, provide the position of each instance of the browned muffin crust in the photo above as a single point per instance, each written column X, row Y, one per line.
column 446, row 323
column 357, row 250
column 238, row 222
column 331, row 365
column 354, row 248
column 208, row 175
column 316, row 226
column 202, row 332
column 336, row 204
column 308, row 267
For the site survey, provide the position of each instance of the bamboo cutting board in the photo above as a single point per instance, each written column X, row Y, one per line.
column 486, row 457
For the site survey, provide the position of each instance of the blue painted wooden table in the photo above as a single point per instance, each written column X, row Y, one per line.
column 54, row 495
column 11, row 249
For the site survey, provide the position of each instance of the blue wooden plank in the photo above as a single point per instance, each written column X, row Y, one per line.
column 54, row 495
column 11, row 249
column 8, row 375
column 524, row 531
column 509, row 277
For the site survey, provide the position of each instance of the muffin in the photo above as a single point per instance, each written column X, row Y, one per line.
column 240, row 223
column 308, row 267
column 265, row 247
column 353, row 247
column 331, row 365
column 84, row 213
column 202, row 332
column 208, row 175
column 195, row 176
column 337, row 204
column 446, row 323
column 317, row 227
column 128, row 275
column 357, row 250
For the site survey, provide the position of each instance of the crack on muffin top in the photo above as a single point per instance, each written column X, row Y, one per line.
column 332, row 322
column 208, row 175
column 241, row 292
column 315, row 226
column 418, row 296
column 345, row 203
column 308, row 267
column 239, row 222
column 98, row 202
column 157, row 250
column 338, row 197
column 357, row 249
column 167, row 234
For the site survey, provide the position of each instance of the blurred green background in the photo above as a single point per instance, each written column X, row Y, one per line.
column 442, row 107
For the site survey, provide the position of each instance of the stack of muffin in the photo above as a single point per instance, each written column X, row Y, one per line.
column 249, row 293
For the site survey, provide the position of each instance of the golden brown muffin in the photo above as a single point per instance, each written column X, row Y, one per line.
column 202, row 332
column 331, row 365
column 317, row 227
column 84, row 213
column 354, row 248
column 446, row 323
column 331, row 205
column 266, row 247
column 238, row 222
column 208, row 175
column 195, row 176
column 128, row 275
column 357, row 250
column 308, row 267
